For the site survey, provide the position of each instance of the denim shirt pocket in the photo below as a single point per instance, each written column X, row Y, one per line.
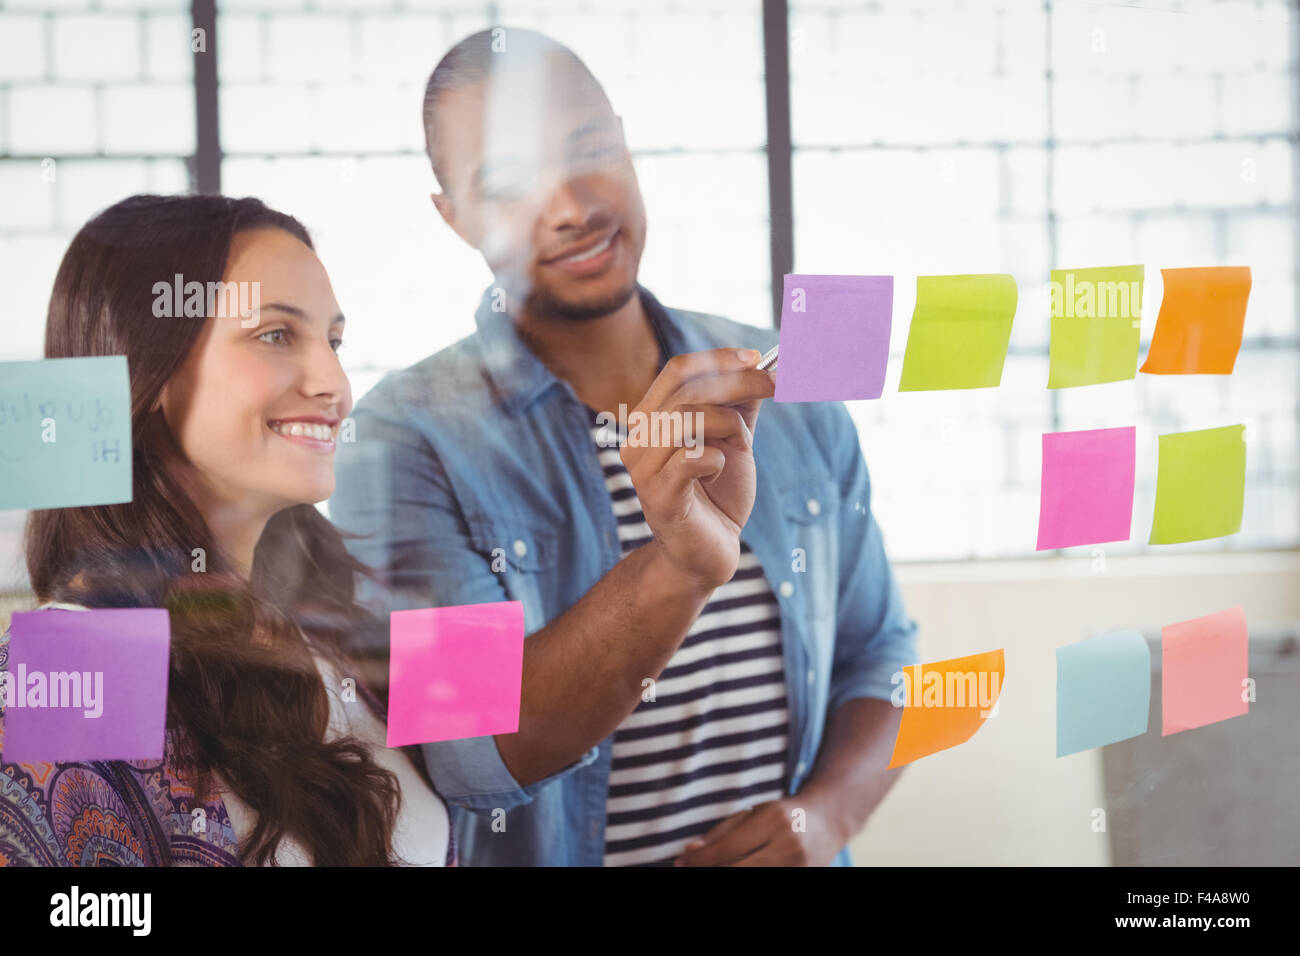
column 811, row 506
column 524, row 556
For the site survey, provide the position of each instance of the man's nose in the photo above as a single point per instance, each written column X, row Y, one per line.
column 573, row 203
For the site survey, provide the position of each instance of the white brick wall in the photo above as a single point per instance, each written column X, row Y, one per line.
column 1157, row 115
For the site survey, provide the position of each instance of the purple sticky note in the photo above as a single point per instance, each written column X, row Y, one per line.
column 86, row 685
column 455, row 672
column 1087, row 487
column 834, row 337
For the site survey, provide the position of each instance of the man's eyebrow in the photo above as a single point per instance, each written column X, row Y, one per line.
column 602, row 125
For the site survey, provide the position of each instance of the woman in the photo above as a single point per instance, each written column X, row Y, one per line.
column 270, row 757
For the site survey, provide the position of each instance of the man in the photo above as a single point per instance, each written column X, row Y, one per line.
column 712, row 625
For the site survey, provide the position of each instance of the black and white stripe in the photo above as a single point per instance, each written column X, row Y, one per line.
column 713, row 741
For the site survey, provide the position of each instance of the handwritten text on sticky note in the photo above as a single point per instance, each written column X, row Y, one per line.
column 65, row 433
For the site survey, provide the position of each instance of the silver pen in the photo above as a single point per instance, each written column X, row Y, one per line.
column 768, row 361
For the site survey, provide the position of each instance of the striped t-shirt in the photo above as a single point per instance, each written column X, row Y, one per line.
column 713, row 741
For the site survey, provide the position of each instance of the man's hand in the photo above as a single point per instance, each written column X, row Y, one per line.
column 697, row 500
column 787, row 832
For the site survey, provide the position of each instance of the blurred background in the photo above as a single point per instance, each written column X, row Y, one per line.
column 895, row 137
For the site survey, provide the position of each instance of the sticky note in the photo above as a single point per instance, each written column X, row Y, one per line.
column 1200, row 485
column 1198, row 329
column 1086, row 493
column 65, row 433
column 1203, row 671
column 1103, row 691
column 455, row 672
column 86, row 685
column 945, row 703
column 1096, row 325
column 834, row 337
column 959, row 333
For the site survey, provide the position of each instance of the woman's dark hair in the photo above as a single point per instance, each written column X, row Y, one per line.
column 245, row 698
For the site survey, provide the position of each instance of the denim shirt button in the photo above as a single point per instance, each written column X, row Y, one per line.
column 799, row 770
column 521, row 549
column 812, row 677
column 814, row 507
column 787, row 589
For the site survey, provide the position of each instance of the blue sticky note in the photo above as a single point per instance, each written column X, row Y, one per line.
column 65, row 432
column 1103, row 691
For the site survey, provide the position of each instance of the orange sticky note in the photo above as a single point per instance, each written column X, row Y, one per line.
column 945, row 703
column 1198, row 330
column 1203, row 670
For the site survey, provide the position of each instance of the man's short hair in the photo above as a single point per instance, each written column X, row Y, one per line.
column 477, row 59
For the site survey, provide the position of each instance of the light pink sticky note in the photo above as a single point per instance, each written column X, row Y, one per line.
column 1086, row 493
column 1204, row 665
column 454, row 672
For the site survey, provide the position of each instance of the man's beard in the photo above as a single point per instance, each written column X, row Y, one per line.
column 541, row 304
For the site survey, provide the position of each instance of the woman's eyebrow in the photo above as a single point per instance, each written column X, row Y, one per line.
column 299, row 313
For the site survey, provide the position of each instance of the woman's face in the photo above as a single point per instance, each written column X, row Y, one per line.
column 257, row 404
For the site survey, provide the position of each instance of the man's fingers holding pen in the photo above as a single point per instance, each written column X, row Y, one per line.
column 681, row 369
column 737, row 387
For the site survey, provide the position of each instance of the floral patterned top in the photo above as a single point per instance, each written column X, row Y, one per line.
column 112, row 813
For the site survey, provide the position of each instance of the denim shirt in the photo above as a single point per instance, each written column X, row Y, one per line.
column 474, row 478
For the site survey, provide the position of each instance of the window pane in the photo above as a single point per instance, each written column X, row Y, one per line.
column 1030, row 137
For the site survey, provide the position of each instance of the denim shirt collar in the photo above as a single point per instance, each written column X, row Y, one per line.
column 520, row 377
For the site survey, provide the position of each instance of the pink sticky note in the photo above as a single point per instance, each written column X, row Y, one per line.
column 834, row 337
column 1203, row 669
column 86, row 685
column 455, row 672
column 1086, row 494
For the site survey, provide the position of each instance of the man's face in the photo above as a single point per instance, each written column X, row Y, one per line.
column 539, row 179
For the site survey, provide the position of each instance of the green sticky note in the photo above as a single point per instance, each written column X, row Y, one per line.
column 1200, row 485
column 959, row 332
column 65, row 432
column 1096, row 325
